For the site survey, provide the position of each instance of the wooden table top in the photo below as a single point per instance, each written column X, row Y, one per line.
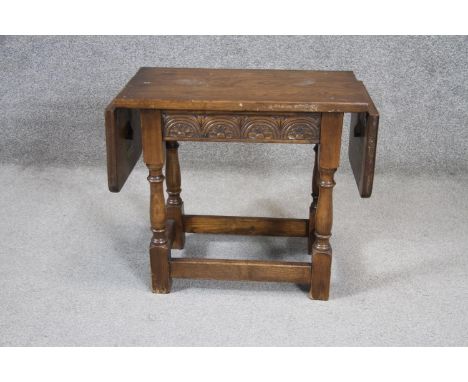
column 244, row 90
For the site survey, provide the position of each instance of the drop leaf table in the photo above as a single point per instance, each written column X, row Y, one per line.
column 160, row 107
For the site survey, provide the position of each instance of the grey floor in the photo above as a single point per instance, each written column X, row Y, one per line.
column 74, row 265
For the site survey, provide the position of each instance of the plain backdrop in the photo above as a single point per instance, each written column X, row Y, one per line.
column 53, row 91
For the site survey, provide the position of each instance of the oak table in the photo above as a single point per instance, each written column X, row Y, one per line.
column 160, row 107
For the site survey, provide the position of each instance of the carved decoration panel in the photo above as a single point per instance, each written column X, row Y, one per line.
column 259, row 127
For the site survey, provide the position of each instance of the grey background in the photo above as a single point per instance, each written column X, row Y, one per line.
column 73, row 257
column 54, row 89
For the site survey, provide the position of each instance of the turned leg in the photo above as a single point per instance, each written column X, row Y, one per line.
column 153, row 155
column 313, row 205
column 321, row 249
column 328, row 161
column 175, row 205
column 159, row 250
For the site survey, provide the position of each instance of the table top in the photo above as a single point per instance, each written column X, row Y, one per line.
column 222, row 93
column 244, row 90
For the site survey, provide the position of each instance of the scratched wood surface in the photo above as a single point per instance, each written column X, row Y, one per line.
column 244, row 90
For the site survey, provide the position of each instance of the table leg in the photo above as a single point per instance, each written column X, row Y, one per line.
column 328, row 161
column 313, row 205
column 153, row 155
column 175, row 205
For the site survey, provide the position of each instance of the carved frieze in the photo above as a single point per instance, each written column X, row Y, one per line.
column 298, row 128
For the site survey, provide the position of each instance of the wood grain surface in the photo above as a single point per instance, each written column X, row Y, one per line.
column 244, row 90
column 243, row 225
column 249, row 270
